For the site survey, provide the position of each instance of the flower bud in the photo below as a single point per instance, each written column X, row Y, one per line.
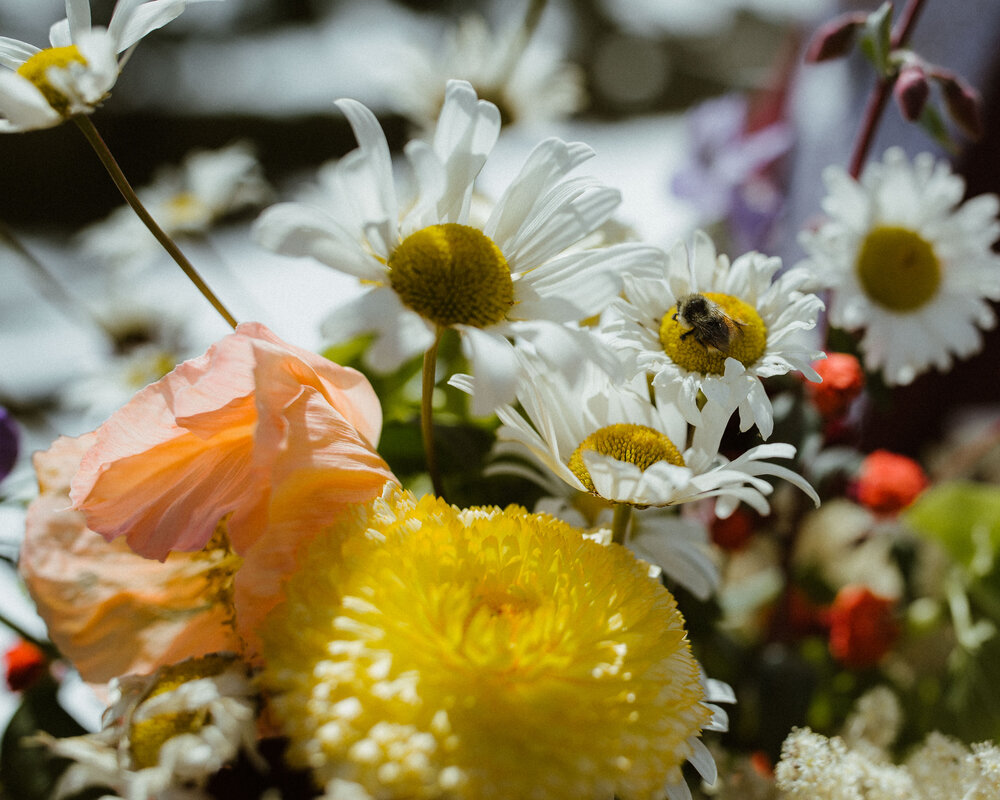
column 25, row 664
column 911, row 91
column 835, row 38
column 889, row 482
column 843, row 380
column 964, row 105
column 863, row 627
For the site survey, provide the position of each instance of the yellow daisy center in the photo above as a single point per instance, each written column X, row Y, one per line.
column 36, row 69
column 148, row 736
column 625, row 441
column 452, row 275
column 480, row 655
column 747, row 337
column 898, row 268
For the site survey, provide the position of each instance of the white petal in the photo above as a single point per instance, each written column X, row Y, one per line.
column 77, row 18
column 132, row 19
column 22, row 106
column 577, row 285
column 296, row 229
column 13, row 53
column 495, row 366
column 545, row 165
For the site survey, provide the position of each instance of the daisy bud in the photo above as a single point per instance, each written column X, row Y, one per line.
column 863, row 627
column 835, row 38
column 964, row 105
column 889, row 482
column 25, row 664
column 911, row 91
column 842, row 381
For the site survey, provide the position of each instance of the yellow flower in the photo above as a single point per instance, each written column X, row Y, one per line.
column 477, row 654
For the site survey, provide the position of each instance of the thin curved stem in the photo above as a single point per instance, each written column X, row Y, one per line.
column 427, row 412
column 620, row 523
column 880, row 94
column 111, row 165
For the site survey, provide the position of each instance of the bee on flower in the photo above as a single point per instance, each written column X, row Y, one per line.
column 708, row 328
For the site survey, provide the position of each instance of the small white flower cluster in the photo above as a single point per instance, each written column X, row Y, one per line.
column 814, row 767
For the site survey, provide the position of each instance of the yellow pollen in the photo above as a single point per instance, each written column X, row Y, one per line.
column 898, row 269
column 452, row 275
column 747, row 339
column 148, row 736
column 628, row 442
column 36, row 69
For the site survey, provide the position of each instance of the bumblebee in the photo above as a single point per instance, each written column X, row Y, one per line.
column 708, row 323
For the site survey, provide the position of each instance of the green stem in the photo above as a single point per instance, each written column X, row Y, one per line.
column 620, row 522
column 427, row 412
column 532, row 15
column 104, row 154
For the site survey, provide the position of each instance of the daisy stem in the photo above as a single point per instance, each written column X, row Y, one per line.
column 111, row 165
column 532, row 15
column 883, row 89
column 620, row 523
column 427, row 411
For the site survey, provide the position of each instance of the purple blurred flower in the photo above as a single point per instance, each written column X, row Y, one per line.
column 9, row 441
column 729, row 173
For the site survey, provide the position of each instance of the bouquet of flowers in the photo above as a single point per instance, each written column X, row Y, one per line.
column 556, row 512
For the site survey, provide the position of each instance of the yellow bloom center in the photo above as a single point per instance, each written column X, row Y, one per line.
column 427, row 652
column 452, row 275
column 186, row 210
column 898, row 268
column 148, row 736
column 624, row 441
column 747, row 337
column 36, row 69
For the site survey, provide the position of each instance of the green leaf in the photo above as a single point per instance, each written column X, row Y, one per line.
column 964, row 517
column 932, row 121
column 876, row 40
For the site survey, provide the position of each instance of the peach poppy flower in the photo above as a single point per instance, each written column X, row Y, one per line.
column 108, row 610
column 220, row 434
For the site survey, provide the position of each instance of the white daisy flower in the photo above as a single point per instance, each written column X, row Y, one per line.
column 907, row 263
column 186, row 200
column 604, row 436
column 165, row 734
column 42, row 87
column 529, row 82
column 750, row 329
column 428, row 269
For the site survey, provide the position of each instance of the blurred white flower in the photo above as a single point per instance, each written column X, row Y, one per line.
column 770, row 315
column 528, row 82
column 429, row 267
column 603, row 435
column 185, row 200
column 907, row 263
column 165, row 734
column 42, row 87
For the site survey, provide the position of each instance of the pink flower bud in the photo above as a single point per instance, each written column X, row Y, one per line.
column 911, row 91
column 835, row 38
column 964, row 105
